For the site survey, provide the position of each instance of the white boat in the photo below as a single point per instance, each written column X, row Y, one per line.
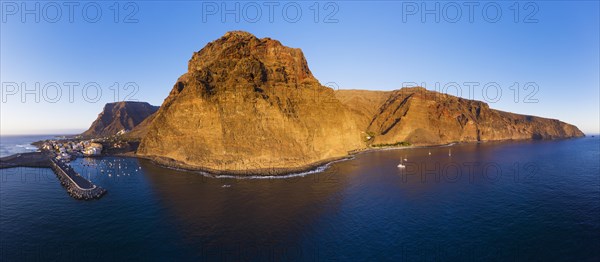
column 401, row 165
column 449, row 152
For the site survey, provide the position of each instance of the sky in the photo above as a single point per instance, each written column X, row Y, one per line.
column 60, row 62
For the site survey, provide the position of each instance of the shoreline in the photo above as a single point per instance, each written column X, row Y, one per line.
column 263, row 173
column 273, row 173
column 315, row 167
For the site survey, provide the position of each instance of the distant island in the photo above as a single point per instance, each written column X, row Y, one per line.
column 252, row 106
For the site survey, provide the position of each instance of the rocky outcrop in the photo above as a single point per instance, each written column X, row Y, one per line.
column 420, row 116
column 249, row 105
column 119, row 116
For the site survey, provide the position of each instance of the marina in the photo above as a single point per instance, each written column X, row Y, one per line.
column 77, row 186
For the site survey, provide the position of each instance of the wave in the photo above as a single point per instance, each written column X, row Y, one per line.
column 316, row 170
column 11, row 149
column 27, row 146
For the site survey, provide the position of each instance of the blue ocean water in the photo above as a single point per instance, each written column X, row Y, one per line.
column 10, row 145
column 519, row 201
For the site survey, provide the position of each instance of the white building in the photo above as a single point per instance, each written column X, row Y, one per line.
column 94, row 149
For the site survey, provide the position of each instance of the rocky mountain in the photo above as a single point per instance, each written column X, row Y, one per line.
column 119, row 116
column 252, row 106
column 424, row 117
column 249, row 105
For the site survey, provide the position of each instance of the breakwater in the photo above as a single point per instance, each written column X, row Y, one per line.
column 77, row 186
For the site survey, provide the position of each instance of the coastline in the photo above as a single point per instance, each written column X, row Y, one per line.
column 311, row 168
column 314, row 167
column 36, row 159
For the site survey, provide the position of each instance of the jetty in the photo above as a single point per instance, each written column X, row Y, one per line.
column 77, row 186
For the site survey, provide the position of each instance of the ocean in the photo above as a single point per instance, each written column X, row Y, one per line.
column 505, row 201
column 10, row 145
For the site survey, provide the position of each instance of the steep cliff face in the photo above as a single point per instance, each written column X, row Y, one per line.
column 419, row 116
column 119, row 116
column 249, row 105
column 140, row 131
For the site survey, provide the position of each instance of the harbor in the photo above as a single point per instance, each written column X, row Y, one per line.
column 57, row 154
column 76, row 185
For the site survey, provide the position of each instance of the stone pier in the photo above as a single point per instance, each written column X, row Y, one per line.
column 77, row 186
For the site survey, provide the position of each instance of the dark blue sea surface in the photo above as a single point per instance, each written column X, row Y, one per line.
column 517, row 201
column 10, row 145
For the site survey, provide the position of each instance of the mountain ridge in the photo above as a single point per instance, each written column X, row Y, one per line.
column 420, row 116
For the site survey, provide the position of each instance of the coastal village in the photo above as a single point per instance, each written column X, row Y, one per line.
column 70, row 149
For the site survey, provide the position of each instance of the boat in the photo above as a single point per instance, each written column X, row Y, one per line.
column 449, row 152
column 401, row 165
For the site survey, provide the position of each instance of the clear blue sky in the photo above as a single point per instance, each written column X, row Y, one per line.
column 363, row 45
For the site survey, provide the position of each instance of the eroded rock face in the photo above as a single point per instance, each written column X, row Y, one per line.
column 246, row 105
column 424, row 117
column 119, row 116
